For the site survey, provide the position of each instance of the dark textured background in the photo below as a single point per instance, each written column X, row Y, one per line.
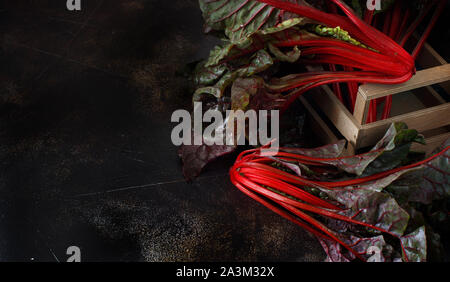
column 85, row 151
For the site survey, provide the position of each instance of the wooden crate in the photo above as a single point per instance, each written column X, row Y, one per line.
column 330, row 118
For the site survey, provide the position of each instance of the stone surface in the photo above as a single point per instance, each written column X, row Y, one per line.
column 85, row 151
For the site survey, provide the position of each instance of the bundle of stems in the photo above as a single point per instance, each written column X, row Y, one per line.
column 381, row 58
column 286, row 193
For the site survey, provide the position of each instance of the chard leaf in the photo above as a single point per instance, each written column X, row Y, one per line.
column 389, row 149
column 259, row 62
column 388, row 160
column 326, row 152
column 242, row 91
column 430, row 182
column 211, row 90
column 337, row 33
column 208, row 75
column 292, row 29
column 436, row 175
column 241, row 18
column 381, row 184
column 415, row 246
column 373, row 249
column 290, row 56
column 251, row 93
column 196, row 157
column 372, row 207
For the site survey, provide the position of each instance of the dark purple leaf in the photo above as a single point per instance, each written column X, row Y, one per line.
column 196, row 157
column 430, row 182
column 415, row 246
column 251, row 94
column 326, row 152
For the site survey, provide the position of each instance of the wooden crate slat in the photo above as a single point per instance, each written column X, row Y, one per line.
column 432, row 120
column 420, row 79
column 361, row 108
column 422, row 120
column 430, row 58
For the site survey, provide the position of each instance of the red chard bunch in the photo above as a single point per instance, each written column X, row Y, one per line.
column 272, row 52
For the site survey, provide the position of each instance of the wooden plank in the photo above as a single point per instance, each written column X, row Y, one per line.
column 429, row 58
column 361, row 108
column 336, row 112
column 421, row 79
column 432, row 143
column 428, row 120
column 422, row 120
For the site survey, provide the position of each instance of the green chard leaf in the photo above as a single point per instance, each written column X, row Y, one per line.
column 290, row 56
column 292, row 29
column 251, row 93
column 208, row 75
column 259, row 62
column 372, row 207
column 337, row 33
column 241, row 18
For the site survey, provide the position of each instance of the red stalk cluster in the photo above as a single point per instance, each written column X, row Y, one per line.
column 351, row 64
column 284, row 193
column 384, row 62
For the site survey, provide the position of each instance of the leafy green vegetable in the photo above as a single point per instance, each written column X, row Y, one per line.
column 369, row 212
column 292, row 29
column 380, row 200
column 240, row 19
column 259, row 62
column 337, row 33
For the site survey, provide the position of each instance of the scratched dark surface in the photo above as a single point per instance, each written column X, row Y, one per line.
column 85, row 151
